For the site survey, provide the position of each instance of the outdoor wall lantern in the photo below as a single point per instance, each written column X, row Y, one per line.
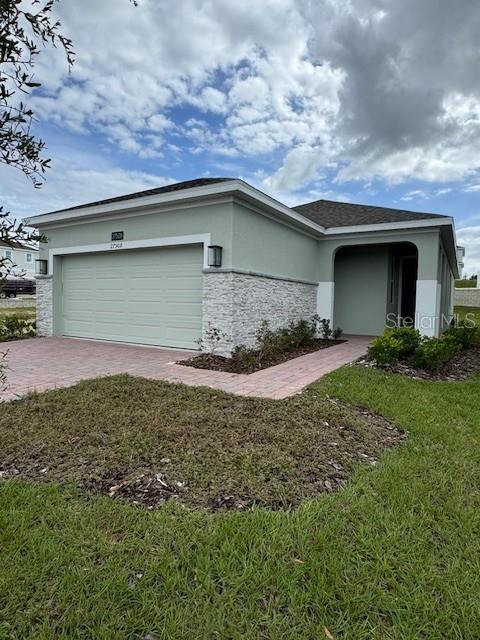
column 41, row 267
column 214, row 256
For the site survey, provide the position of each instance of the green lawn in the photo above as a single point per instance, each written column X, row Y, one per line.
column 469, row 313
column 465, row 284
column 23, row 312
column 393, row 556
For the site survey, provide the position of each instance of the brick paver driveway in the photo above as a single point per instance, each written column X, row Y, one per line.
column 40, row 364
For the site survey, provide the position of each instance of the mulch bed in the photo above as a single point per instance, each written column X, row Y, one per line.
column 221, row 363
column 462, row 366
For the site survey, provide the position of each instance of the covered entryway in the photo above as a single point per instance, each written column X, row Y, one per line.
column 147, row 296
column 375, row 287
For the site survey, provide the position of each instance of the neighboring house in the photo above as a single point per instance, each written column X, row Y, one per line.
column 21, row 259
column 460, row 259
column 143, row 268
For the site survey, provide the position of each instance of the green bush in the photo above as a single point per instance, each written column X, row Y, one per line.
column 16, row 327
column 273, row 342
column 464, row 334
column 300, row 333
column 408, row 338
column 434, row 353
column 244, row 357
column 385, row 350
column 322, row 326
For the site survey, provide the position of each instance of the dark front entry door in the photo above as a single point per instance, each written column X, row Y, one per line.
column 409, row 290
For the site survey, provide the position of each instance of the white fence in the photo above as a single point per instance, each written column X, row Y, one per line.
column 467, row 297
column 18, row 303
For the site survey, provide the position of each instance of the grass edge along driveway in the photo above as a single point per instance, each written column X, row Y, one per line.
column 393, row 556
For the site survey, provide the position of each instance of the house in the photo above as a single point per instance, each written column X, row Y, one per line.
column 460, row 259
column 168, row 266
column 21, row 259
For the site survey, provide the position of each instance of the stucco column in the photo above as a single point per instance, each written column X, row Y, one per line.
column 326, row 284
column 325, row 300
column 44, row 306
column 427, row 305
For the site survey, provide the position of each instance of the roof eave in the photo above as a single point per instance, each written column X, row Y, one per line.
column 232, row 187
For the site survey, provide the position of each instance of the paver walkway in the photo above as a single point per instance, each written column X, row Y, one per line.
column 40, row 364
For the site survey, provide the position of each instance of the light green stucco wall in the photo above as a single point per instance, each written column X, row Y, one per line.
column 361, row 287
column 215, row 219
column 264, row 245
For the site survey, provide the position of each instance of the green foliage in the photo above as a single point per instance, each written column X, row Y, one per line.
column 465, row 334
column 212, row 340
column 322, row 326
column 434, row 353
column 385, row 350
column 15, row 327
column 244, row 357
column 271, row 342
column 3, row 372
column 337, row 333
column 393, row 555
column 408, row 338
column 469, row 283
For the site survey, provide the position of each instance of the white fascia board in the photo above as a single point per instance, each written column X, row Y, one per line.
column 232, row 186
column 134, row 203
column 390, row 226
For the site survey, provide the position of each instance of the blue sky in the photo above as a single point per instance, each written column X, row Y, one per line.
column 372, row 101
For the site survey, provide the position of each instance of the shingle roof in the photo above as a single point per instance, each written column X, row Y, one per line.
column 328, row 213
column 178, row 186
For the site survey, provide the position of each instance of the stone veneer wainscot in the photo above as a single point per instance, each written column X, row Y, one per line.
column 236, row 303
column 44, row 306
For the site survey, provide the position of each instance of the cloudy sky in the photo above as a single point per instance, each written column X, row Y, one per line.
column 372, row 101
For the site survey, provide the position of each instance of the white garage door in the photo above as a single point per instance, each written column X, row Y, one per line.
column 147, row 296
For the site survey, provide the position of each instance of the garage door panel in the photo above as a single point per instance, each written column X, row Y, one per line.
column 144, row 296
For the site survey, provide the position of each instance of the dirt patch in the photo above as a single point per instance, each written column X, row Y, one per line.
column 462, row 366
column 259, row 362
column 148, row 442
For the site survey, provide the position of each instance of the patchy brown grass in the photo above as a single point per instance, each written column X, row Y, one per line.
column 149, row 441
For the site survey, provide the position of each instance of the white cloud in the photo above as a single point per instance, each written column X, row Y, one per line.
column 78, row 179
column 416, row 194
column 370, row 89
column 300, row 166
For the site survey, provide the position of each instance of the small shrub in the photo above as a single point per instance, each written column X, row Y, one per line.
column 464, row 334
column 408, row 337
column 244, row 357
column 385, row 350
column 3, row 372
column 434, row 353
column 271, row 342
column 325, row 329
column 322, row 326
column 16, row 328
column 301, row 333
column 337, row 333
column 212, row 340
